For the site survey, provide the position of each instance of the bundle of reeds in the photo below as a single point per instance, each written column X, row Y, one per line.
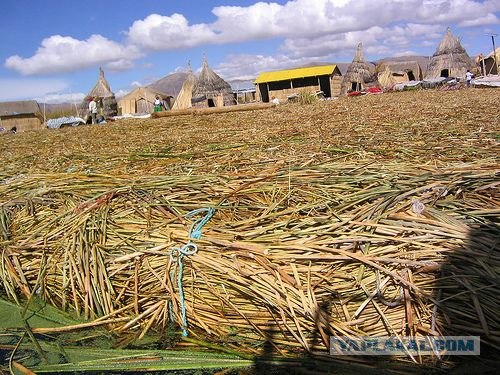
column 291, row 256
column 211, row 110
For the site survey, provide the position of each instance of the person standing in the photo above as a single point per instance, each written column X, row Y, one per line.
column 158, row 104
column 93, row 110
column 468, row 77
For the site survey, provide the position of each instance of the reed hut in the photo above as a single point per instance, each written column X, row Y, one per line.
column 245, row 95
column 391, row 73
column 210, row 90
column 183, row 99
column 283, row 83
column 20, row 116
column 450, row 59
column 360, row 74
column 141, row 100
column 107, row 100
column 489, row 65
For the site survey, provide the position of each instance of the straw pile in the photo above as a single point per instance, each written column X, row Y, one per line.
column 308, row 239
column 297, row 255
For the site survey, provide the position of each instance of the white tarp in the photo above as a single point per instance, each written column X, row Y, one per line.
column 128, row 115
column 56, row 123
column 488, row 81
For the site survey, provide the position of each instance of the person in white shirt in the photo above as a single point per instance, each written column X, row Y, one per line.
column 93, row 110
column 468, row 77
column 158, row 104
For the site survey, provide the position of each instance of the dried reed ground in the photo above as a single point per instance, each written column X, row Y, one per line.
column 401, row 132
column 411, row 127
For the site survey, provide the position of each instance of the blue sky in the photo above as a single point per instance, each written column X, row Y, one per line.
column 51, row 50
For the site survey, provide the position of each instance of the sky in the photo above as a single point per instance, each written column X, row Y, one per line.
column 51, row 50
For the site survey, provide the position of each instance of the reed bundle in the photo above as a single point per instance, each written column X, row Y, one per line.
column 291, row 256
column 211, row 110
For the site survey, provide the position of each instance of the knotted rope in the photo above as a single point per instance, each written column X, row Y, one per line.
column 188, row 249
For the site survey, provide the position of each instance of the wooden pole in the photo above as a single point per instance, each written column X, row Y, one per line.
column 483, row 64
column 494, row 51
column 495, row 63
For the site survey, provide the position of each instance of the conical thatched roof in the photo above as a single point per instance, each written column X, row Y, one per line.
column 209, row 85
column 183, row 99
column 450, row 59
column 360, row 73
column 101, row 88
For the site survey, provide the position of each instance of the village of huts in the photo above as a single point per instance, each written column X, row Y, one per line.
column 187, row 91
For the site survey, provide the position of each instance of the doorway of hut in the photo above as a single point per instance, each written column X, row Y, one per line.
column 264, row 93
column 411, row 76
column 445, row 73
column 355, row 86
column 211, row 103
column 324, row 85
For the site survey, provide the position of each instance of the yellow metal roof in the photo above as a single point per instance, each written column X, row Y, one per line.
column 285, row 75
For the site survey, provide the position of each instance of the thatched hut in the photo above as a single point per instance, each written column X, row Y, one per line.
column 141, row 100
column 281, row 84
column 210, row 90
column 390, row 73
column 360, row 75
column 450, row 59
column 490, row 64
column 20, row 116
column 183, row 99
column 107, row 101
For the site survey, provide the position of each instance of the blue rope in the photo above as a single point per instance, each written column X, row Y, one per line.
column 188, row 249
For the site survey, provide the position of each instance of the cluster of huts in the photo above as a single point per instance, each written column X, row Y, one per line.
column 209, row 90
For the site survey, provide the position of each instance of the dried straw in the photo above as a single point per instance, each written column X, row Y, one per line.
column 296, row 254
column 371, row 216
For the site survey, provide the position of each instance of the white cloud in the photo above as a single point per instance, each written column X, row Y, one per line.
column 304, row 22
column 26, row 88
column 157, row 33
column 376, row 41
column 310, row 28
column 75, row 98
column 456, row 11
column 489, row 19
column 257, row 21
column 59, row 54
column 247, row 67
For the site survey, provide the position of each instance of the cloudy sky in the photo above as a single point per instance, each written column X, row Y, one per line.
column 51, row 50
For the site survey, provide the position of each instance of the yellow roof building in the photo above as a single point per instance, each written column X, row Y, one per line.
column 286, row 84
column 288, row 74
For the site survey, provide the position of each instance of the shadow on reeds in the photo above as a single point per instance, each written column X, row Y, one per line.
column 269, row 361
column 468, row 298
column 467, row 295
